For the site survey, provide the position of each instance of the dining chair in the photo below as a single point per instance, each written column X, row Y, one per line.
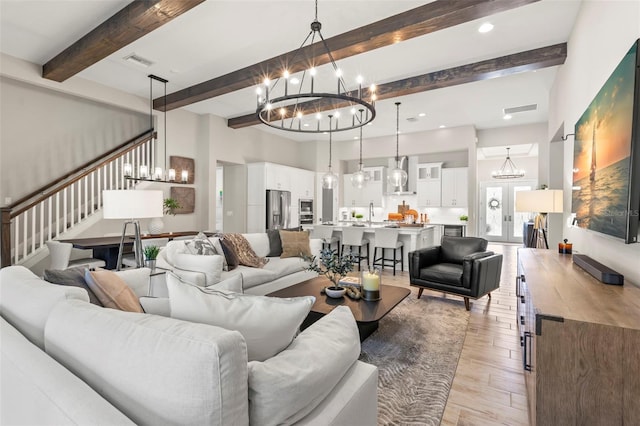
column 60, row 255
column 325, row 233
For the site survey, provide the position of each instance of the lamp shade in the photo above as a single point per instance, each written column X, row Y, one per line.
column 131, row 204
column 543, row 201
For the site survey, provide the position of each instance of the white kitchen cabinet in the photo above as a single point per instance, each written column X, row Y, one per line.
column 429, row 193
column 455, row 187
column 278, row 177
column 372, row 192
column 429, row 171
column 429, row 184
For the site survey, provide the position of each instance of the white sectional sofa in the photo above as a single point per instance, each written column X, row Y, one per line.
column 66, row 361
column 277, row 274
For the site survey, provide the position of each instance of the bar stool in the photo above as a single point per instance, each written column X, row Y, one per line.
column 353, row 236
column 325, row 233
column 387, row 238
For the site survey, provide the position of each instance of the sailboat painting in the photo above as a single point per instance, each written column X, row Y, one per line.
column 603, row 198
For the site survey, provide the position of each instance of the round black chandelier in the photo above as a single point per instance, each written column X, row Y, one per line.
column 292, row 103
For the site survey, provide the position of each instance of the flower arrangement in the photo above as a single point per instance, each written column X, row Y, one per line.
column 331, row 265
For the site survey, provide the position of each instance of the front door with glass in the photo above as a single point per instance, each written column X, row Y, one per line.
column 498, row 219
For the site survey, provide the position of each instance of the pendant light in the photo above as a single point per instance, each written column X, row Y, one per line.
column 360, row 178
column 397, row 177
column 144, row 172
column 330, row 179
column 508, row 170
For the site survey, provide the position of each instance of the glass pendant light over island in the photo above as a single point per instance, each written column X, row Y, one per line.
column 397, row 177
column 360, row 178
column 330, row 179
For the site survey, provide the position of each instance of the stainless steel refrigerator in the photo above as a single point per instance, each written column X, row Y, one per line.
column 278, row 209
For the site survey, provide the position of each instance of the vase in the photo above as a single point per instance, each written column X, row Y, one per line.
column 151, row 264
column 335, row 292
column 156, row 226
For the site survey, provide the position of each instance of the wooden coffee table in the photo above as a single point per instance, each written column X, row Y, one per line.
column 367, row 314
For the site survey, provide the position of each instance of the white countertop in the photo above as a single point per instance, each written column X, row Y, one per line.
column 406, row 230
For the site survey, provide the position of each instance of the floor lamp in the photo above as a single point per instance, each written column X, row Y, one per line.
column 131, row 205
column 542, row 201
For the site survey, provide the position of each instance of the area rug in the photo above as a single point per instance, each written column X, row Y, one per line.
column 416, row 349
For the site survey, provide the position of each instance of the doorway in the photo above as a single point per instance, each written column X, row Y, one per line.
column 498, row 219
column 219, row 198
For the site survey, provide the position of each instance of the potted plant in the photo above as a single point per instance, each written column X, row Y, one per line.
column 333, row 267
column 150, row 256
column 171, row 205
column 464, row 218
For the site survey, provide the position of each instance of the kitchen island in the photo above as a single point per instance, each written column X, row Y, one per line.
column 413, row 237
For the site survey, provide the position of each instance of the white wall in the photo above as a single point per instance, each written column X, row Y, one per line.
column 602, row 35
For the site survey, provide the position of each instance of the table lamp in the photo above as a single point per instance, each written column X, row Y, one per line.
column 131, row 205
column 542, row 201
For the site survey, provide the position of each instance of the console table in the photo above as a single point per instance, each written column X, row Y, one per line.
column 580, row 343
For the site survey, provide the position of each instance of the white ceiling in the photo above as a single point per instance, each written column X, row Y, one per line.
column 220, row 36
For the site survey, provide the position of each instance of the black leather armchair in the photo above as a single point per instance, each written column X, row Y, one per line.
column 459, row 265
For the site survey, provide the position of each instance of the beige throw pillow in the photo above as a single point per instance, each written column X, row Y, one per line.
column 112, row 291
column 295, row 244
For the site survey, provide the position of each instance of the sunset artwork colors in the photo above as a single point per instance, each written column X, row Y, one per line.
column 602, row 153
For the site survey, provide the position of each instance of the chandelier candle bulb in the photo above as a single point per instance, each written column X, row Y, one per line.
column 157, row 174
column 370, row 281
column 185, row 176
column 144, row 172
column 172, row 174
column 127, row 169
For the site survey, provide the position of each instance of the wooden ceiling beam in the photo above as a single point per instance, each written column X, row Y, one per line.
column 416, row 22
column 133, row 21
column 484, row 70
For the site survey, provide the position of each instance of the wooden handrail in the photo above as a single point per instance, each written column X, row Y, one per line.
column 93, row 164
column 8, row 213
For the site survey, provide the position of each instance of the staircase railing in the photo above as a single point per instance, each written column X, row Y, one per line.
column 62, row 204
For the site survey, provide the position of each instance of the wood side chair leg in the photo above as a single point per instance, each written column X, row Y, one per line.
column 489, row 294
column 466, row 304
column 420, row 292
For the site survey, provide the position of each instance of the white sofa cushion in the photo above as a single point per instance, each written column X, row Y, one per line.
column 268, row 324
column 137, row 279
column 26, row 300
column 210, row 266
column 288, row 386
column 36, row 390
column 259, row 242
column 155, row 370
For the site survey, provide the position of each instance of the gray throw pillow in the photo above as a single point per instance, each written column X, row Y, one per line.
column 275, row 243
column 73, row 277
column 200, row 245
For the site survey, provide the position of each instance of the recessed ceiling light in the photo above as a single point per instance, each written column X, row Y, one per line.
column 422, row 114
column 442, row 126
column 355, row 137
column 306, row 124
column 485, row 28
column 507, row 117
column 294, row 80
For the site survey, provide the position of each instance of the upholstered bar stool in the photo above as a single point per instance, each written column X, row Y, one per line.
column 325, row 233
column 387, row 238
column 353, row 236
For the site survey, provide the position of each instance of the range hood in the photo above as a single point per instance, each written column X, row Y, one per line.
column 404, row 189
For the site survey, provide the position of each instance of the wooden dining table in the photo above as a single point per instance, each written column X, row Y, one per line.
column 106, row 248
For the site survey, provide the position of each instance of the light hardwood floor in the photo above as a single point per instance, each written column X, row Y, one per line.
column 488, row 387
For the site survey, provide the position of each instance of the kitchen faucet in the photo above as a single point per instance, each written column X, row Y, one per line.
column 370, row 212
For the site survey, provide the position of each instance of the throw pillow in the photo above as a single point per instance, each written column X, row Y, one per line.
column 275, row 243
column 268, row 324
column 230, row 256
column 72, row 277
column 210, row 266
column 288, row 386
column 295, row 244
column 112, row 291
column 246, row 255
column 200, row 245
